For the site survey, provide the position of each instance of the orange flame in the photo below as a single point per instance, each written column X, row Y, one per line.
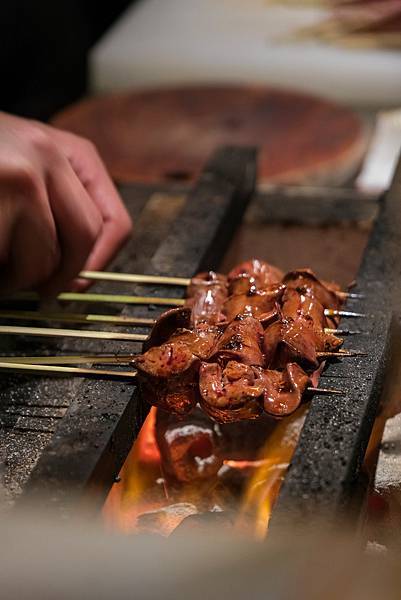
column 143, row 501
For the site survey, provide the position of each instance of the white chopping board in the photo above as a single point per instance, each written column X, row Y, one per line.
column 170, row 42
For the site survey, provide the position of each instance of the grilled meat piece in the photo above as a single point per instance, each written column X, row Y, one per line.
column 207, row 293
column 253, row 272
column 168, row 376
column 296, row 340
column 200, row 341
column 303, row 280
column 238, row 392
column 190, row 448
column 296, row 304
column 232, row 393
column 284, row 390
column 166, row 325
column 241, row 341
column 299, row 334
column 261, row 304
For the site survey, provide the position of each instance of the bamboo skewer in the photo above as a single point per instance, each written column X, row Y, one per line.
column 121, row 299
column 93, row 359
column 342, row 331
column 75, row 333
column 30, row 369
column 106, row 298
column 164, row 280
column 50, row 370
column 64, row 317
column 133, row 278
column 120, row 359
column 340, row 354
column 329, row 312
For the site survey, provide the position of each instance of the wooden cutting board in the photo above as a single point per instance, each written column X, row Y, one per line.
column 168, row 134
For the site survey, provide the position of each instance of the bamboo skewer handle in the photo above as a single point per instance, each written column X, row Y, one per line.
column 75, row 333
column 133, row 278
column 44, row 370
column 93, row 359
column 64, row 317
column 105, row 298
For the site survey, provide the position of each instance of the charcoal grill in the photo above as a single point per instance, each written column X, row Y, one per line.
column 67, row 439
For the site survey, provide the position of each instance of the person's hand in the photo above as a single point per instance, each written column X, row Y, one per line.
column 59, row 210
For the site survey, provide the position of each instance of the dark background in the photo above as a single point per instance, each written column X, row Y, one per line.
column 44, row 46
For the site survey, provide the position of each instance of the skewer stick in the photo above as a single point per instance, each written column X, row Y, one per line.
column 163, row 280
column 325, row 391
column 48, row 370
column 329, row 312
column 122, row 299
column 133, row 278
column 64, row 317
column 75, row 333
column 350, row 295
column 340, row 354
column 45, row 370
column 118, row 359
column 341, row 331
column 105, row 298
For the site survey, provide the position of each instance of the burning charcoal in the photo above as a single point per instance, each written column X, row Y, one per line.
column 206, row 523
column 244, row 440
column 164, row 520
column 190, row 448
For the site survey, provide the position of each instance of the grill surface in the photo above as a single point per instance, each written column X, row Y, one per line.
column 64, row 438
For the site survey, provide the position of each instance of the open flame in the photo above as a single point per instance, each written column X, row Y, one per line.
column 146, row 499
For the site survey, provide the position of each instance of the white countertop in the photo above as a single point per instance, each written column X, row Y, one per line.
column 169, row 42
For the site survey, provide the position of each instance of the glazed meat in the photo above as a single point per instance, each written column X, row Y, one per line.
column 299, row 333
column 191, row 449
column 207, row 293
column 296, row 340
column 168, row 374
column 261, row 304
column 167, row 324
column 239, row 392
column 283, row 390
column 253, row 272
column 168, row 377
column 245, row 345
column 241, row 341
column 304, row 280
column 231, row 393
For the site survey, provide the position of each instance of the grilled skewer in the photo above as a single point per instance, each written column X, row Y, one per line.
column 64, row 317
column 50, row 370
column 162, row 280
column 143, row 300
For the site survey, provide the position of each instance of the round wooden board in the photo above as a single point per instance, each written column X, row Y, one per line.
column 168, row 134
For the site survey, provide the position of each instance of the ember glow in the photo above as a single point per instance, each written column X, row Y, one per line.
column 147, row 499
